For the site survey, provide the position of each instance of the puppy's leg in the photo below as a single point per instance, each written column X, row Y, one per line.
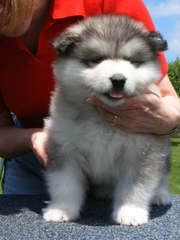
column 134, row 191
column 162, row 196
column 131, row 208
column 66, row 189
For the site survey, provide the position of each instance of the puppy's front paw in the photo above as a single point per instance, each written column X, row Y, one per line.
column 57, row 214
column 130, row 215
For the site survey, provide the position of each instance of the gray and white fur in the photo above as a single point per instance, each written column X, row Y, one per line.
column 109, row 57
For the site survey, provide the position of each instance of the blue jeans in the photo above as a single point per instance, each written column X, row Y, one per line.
column 24, row 174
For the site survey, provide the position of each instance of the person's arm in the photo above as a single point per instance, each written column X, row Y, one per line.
column 166, row 87
column 16, row 141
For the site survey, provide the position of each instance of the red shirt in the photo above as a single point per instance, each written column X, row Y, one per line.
column 26, row 81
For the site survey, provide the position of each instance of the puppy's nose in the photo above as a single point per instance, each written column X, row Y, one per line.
column 118, row 80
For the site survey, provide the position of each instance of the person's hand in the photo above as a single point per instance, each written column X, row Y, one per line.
column 145, row 113
column 38, row 141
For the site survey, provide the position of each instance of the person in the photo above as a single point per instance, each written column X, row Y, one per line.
column 26, row 82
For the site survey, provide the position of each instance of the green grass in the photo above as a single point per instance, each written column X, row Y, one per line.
column 174, row 178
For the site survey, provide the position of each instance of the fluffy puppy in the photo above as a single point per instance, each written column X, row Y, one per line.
column 109, row 57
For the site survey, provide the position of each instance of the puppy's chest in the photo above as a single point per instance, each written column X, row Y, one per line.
column 101, row 150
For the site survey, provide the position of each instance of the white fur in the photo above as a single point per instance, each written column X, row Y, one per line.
column 87, row 82
column 98, row 78
column 131, row 215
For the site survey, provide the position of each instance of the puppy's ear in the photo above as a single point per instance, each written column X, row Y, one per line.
column 65, row 42
column 157, row 42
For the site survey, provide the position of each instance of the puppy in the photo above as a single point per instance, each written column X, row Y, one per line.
column 110, row 57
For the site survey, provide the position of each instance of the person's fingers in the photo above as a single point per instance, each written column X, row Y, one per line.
column 124, row 106
column 135, row 121
column 38, row 142
column 138, row 101
column 96, row 102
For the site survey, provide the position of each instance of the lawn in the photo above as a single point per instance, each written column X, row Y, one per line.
column 174, row 178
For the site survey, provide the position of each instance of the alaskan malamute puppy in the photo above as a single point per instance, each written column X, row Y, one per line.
column 109, row 57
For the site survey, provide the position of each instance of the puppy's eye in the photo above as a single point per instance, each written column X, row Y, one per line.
column 136, row 63
column 97, row 60
column 93, row 62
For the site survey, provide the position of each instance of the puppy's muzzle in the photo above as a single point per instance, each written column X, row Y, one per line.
column 118, row 81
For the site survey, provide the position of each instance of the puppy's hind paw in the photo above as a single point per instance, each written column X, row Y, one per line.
column 130, row 215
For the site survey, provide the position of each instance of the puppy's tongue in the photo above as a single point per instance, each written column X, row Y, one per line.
column 116, row 94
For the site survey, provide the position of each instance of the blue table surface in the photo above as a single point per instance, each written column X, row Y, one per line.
column 21, row 218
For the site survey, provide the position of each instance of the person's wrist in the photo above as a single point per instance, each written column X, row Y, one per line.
column 171, row 126
column 172, row 132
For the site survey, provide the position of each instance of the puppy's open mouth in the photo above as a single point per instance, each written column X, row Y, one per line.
column 114, row 95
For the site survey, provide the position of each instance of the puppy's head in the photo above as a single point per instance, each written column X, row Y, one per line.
column 108, row 56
